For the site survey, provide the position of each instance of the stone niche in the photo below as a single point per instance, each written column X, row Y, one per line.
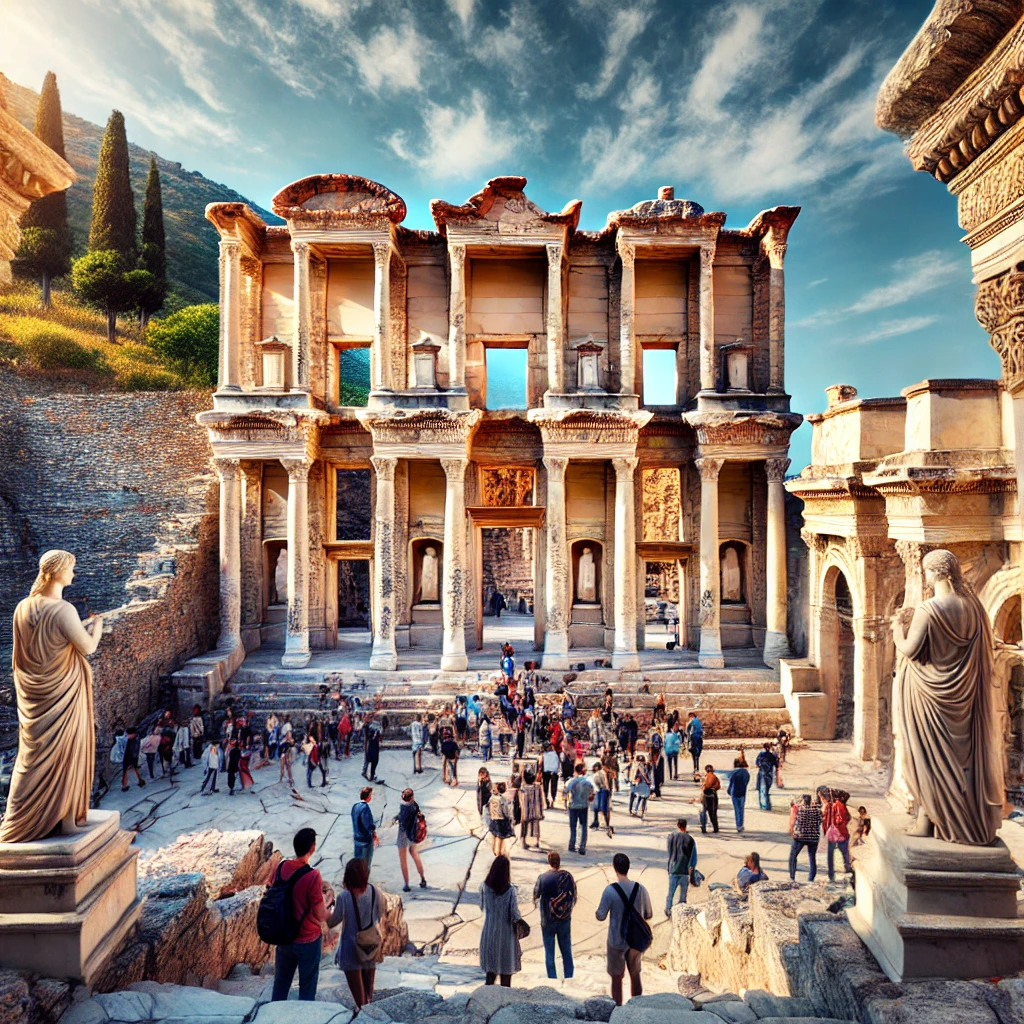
column 426, row 557
column 586, row 627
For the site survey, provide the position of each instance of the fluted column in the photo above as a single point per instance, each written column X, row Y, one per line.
column 627, row 325
column 228, row 375
column 776, row 643
column 296, row 641
column 776, row 318
column 707, row 318
column 300, row 344
column 710, row 654
column 384, row 656
column 381, row 316
column 624, row 654
column 230, row 473
column 556, row 588
column 453, row 601
column 555, row 322
column 457, row 319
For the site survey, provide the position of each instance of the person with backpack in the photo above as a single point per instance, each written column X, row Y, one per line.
column 805, row 828
column 291, row 916
column 412, row 830
column 694, row 739
column 359, row 909
column 627, row 907
column 364, row 828
column 682, row 859
column 555, row 892
column 835, row 823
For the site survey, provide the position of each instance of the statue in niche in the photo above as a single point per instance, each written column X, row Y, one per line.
column 951, row 760
column 586, row 578
column 732, row 579
column 52, row 779
column 429, row 577
column 281, row 578
column 275, row 513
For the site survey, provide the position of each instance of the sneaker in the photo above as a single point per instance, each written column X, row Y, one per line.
column 406, row 888
column 142, row 783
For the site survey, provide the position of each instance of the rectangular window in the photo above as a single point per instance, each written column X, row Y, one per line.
column 506, row 378
column 659, row 376
column 353, row 376
column 352, row 517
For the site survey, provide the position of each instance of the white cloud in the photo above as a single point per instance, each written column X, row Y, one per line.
column 891, row 329
column 817, row 281
column 390, row 58
column 625, row 25
column 463, row 10
column 520, row 46
column 733, row 54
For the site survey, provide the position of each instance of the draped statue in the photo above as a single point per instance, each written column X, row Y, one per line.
column 52, row 779
column 950, row 752
column 429, row 576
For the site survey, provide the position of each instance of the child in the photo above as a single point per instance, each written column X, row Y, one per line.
column 863, row 827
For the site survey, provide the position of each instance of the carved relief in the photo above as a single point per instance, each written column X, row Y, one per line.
column 999, row 307
column 507, row 486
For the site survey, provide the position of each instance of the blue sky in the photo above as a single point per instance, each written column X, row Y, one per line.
column 740, row 104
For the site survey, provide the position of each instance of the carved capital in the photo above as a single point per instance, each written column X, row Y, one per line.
column 384, row 467
column 228, row 469
column 624, row 468
column 775, row 250
column 301, row 250
column 815, row 542
column 707, row 258
column 297, row 469
column 230, row 249
column 457, row 258
column 251, row 267
column 999, row 307
column 627, row 253
column 455, row 469
column 709, row 469
column 555, row 465
column 381, row 253
column 555, row 252
column 776, row 470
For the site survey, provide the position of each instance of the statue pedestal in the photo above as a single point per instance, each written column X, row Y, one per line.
column 928, row 909
column 67, row 902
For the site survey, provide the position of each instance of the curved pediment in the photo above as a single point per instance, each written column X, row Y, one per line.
column 339, row 200
column 502, row 206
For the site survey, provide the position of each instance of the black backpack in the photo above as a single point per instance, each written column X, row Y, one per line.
column 275, row 917
column 635, row 930
column 561, row 903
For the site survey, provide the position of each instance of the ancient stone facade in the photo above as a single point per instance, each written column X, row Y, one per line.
column 351, row 344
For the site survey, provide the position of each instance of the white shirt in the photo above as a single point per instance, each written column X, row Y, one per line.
column 550, row 762
column 213, row 757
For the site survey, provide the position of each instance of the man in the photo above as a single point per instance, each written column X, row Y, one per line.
column 449, row 759
column 416, row 735
column 766, row 765
column 750, row 872
column 682, row 858
column 197, row 729
column 131, row 759
column 580, row 793
column 710, row 786
column 738, row 782
column 234, row 758
column 364, row 828
column 310, row 911
column 549, row 768
column 602, row 797
column 694, row 739
column 555, row 891
column 371, row 749
column 620, row 957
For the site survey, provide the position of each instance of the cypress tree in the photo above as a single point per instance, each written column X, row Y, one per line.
column 113, row 204
column 154, row 251
column 46, row 250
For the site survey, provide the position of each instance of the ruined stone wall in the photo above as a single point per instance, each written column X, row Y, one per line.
column 508, row 564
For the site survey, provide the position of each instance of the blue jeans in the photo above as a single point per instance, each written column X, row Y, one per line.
column 578, row 816
column 843, row 846
column 680, row 882
column 485, row 751
column 738, row 803
column 764, row 785
column 302, row 955
column 364, row 851
column 812, row 855
column 562, row 931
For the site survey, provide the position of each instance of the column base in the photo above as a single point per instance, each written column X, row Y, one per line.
column 776, row 647
column 627, row 661
column 295, row 659
column 383, row 661
column 710, row 652
column 454, row 662
column 556, row 651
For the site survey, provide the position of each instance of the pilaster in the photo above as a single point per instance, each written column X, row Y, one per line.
column 709, row 616
column 555, row 320
column 454, row 599
column 776, row 252
column 556, row 635
column 381, row 316
column 301, row 345
column 384, row 655
column 457, row 319
column 228, row 377
column 627, row 319
column 776, row 642
column 296, row 645
column 707, row 318
column 624, row 653
column 230, row 473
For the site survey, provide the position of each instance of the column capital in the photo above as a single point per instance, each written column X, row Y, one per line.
column 709, row 468
column 300, row 248
column 555, row 465
column 381, row 253
column 624, row 466
column 230, row 247
column 555, row 251
column 776, row 470
column 707, row 257
column 454, row 469
column 627, row 253
column 297, row 469
column 775, row 250
column 457, row 255
column 227, row 468
column 384, row 466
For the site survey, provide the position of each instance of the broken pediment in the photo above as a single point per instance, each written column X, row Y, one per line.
column 502, row 207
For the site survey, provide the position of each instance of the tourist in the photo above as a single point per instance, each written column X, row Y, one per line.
column 166, row 747
column 234, row 756
column 531, row 800
column 212, row 760
column 449, row 759
column 610, row 764
column 484, row 788
column 615, row 900
column 567, row 764
column 549, row 770
column 345, row 732
column 408, row 828
column 863, row 827
column 244, row 774
column 694, row 740
column 682, row 859
column 286, row 753
column 766, row 764
column 504, row 734
column 197, row 730
column 556, row 735
column 594, row 730
column 500, row 953
column 461, row 719
column 805, row 828
column 324, row 755
column 739, row 779
column 580, row 793
column 750, row 872
column 272, row 731
column 659, row 709
column 149, row 747
column 641, row 787
column 310, row 911
column 835, row 825
column 710, row 785
column 632, row 733
column 608, row 708
column 416, row 742
column 497, row 603
column 508, row 663
column 655, row 745
column 485, row 737
column 673, row 744
column 602, row 797
column 364, row 828
column 359, row 909
column 512, row 796
column 622, row 735
column 741, row 756
column 555, row 892
column 286, row 730
column 500, row 823
column 131, row 759
column 371, row 749
column 183, row 745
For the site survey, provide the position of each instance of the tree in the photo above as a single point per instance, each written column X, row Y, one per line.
column 190, row 337
column 98, row 278
column 45, row 251
column 154, row 250
column 113, row 204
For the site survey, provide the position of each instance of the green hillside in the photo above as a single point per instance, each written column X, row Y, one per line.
column 191, row 239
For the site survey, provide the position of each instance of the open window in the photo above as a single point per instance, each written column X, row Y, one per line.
column 506, row 370
column 353, row 375
column 659, row 376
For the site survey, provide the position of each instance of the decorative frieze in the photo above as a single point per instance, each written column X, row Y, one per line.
column 999, row 307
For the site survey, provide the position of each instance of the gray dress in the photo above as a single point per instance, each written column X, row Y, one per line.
column 499, row 947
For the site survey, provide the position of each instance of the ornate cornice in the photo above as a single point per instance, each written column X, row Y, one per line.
column 338, row 201
column 504, row 200
column 743, row 430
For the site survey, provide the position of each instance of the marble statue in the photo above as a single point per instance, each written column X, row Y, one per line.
column 281, row 578
column 949, row 747
column 428, row 576
column 52, row 779
column 586, row 578
column 732, row 584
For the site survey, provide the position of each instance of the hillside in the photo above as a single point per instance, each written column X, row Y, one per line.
column 191, row 239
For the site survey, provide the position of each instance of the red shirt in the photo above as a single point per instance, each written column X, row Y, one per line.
column 307, row 900
column 835, row 813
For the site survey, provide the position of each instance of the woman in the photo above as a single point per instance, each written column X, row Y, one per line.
column 359, row 906
column 244, row 774
column 641, row 789
column 655, row 745
column 408, row 823
column 710, row 786
column 520, row 728
column 594, row 729
column 500, row 954
column 568, row 764
column 673, row 744
column 150, row 746
column 483, row 795
column 345, row 732
column 500, row 825
column 531, row 800
column 602, row 799
column 835, row 825
column 433, row 736
column 486, row 737
column 286, row 763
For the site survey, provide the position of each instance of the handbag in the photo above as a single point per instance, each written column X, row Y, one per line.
column 367, row 940
column 522, row 928
column 695, row 878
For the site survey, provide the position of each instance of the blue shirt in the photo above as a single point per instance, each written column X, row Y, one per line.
column 738, row 782
column 673, row 741
column 363, row 826
column 580, row 790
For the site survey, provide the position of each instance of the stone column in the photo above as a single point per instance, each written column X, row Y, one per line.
column 624, row 655
column 300, row 343
column 556, row 634
column 708, row 370
column 776, row 252
column 710, row 655
column 384, row 656
column 230, row 473
column 296, row 642
column 228, row 376
column 457, row 319
column 627, row 337
column 555, row 324
column 776, row 642
column 381, row 316
column 454, row 598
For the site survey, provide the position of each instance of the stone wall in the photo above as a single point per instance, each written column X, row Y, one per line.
column 508, row 564
column 797, row 578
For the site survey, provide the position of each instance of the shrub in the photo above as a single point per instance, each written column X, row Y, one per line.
column 56, row 350
column 190, row 337
column 146, row 378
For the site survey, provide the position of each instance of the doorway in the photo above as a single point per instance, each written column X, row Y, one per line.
column 837, row 651
column 507, row 558
column 355, row 609
column 661, row 611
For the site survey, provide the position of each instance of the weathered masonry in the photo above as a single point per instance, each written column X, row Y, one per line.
column 388, row 398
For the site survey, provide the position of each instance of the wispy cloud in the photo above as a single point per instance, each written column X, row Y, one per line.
column 520, row 47
column 890, row 329
column 391, row 59
column 463, row 10
column 817, row 281
column 625, row 24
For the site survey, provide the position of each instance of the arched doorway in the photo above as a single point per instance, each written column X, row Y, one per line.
column 836, row 650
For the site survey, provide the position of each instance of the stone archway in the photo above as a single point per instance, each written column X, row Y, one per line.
column 837, row 651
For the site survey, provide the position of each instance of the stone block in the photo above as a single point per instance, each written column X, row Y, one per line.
column 733, row 1011
column 766, row 1004
column 295, row 1012
column 15, row 998
column 186, row 1001
column 598, row 1008
column 407, row 1006
column 630, row 1014
column 533, row 1013
column 229, row 861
